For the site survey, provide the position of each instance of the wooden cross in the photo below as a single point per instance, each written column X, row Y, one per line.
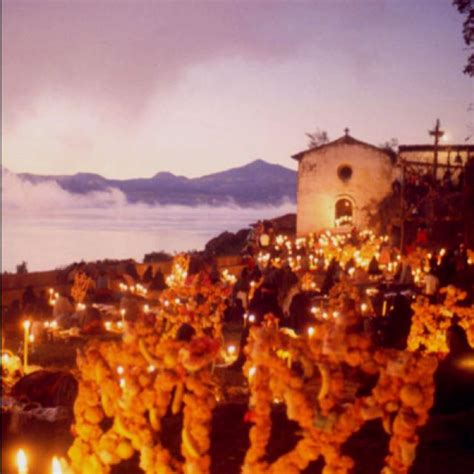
column 437, row 133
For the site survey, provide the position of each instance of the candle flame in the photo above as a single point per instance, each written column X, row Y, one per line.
column 56, row 466
column 21, row 462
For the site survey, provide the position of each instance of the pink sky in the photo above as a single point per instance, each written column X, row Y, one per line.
column 127, row 89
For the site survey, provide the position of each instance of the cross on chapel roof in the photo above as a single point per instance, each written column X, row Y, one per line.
column 346, row 139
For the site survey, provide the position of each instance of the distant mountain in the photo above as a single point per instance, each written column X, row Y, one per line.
column 257, row 183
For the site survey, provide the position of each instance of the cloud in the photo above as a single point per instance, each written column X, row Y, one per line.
column 19, row 195
column 122, row 52
column 49, row 227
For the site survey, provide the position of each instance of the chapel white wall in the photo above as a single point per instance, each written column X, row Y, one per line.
column 319, row 186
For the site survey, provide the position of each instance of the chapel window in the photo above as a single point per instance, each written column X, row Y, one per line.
column 344, row 172
column 343, row 214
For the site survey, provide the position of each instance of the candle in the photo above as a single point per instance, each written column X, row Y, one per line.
column 252, row 371
column 384, row 309
column 26, row 340
column 122, row 313
column 56, row 466
column 21, row 462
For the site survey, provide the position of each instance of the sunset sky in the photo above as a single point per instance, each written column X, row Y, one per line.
column 130, row 88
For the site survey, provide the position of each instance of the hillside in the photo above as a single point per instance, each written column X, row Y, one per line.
column 257, row 183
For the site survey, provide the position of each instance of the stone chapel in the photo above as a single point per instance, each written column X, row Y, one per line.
column 339, row 182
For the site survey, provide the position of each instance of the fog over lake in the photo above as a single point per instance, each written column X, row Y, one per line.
column 49, row 228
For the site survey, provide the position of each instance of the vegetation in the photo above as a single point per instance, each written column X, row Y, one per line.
column 466, row 7
column 159, row 256
column 317, row 138
column 22, row 268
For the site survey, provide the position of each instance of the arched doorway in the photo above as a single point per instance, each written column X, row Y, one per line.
column 344, row 212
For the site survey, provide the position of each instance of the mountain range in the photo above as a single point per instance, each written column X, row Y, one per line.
column 254, row 184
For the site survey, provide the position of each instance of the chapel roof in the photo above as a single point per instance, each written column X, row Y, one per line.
column 346, row 139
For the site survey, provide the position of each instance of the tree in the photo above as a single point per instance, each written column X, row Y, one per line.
column 22, row 268
column 391, row 146
column 466, row 7
column 317, row 138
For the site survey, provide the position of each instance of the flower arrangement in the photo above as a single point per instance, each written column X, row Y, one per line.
column 431, row 321
column 132, row 384
column 283, row 367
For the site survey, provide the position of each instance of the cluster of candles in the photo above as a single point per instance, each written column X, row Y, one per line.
column 137, row 289
column 315, row 256
column 227, row 277
column 249, row 318
column 179, row 274
column 343, row 220
column 22, row 464
column 114, row 326
column 53, row 297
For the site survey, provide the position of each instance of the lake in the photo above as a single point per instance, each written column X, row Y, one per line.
column 51, row 238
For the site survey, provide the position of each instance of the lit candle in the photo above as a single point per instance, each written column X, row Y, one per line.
column 56, row 466
column 384, row 308
column 252, row 371
column 26, row 340
column 122, row 313
column 21, row 462
column 231, row 350
column 311, row 331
